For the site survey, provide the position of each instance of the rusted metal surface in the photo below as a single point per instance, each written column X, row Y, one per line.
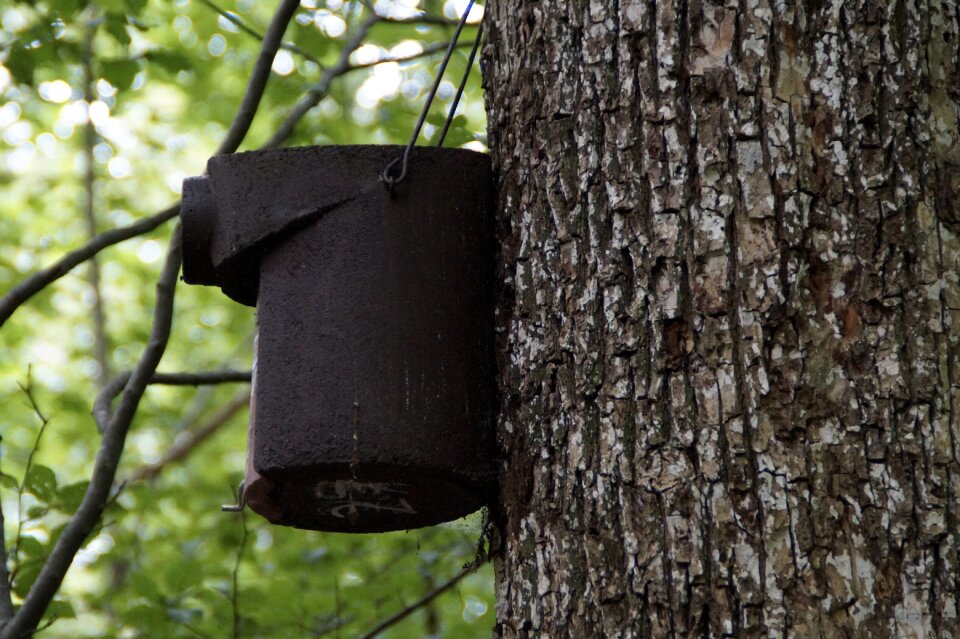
column 374, row 383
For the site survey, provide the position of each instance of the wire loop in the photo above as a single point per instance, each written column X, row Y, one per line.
column 463, row 84
column 386, row 176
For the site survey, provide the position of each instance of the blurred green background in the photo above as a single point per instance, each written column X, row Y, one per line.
column 165, row 79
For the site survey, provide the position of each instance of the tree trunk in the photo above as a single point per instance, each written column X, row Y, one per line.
column 729, row 305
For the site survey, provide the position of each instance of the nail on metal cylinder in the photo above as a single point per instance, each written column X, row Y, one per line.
column 374, row 382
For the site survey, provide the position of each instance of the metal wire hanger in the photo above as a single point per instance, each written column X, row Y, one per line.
column 386, row 176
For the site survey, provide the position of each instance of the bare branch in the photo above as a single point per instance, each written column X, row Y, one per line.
column 44, row 422
column 35, row 283
column 6, row 579
column 423, row 601
column 201, row 379
column 342, row 67
column 436, row 47
column 102, row 411
column 183, row 448
column 243, row 26
column 235, row 575
column 203, row 397
column 6, row 602
column 317, row 93
column 423, row 18
column 427, row 19
column 101, row 346
column 258, row 79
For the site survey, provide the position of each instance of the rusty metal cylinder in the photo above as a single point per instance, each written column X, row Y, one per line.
column 374, row 382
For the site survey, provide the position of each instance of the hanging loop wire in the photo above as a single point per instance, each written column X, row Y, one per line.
column 463, row 83
column 386, row 175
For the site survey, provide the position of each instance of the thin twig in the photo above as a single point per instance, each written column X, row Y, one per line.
column 201, row 400
column 332, row 624
column 44, row 421
column 452, row 112
column 103, row 413
column 101, row 344
column 423, row 601
column 195, row 631
column 430, row 49
column 235, row 576
column 6, row 579
column 342, row 67
column 6, row 602
column 183, row 448
column 426, row 19
column 317, row 93
column 336, row 603
column 258, row 78
column 243, row 26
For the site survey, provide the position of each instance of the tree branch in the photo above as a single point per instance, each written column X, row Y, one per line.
column 183, row 448
column 258, row 79
column 6, row 602
column 430, row 49
column 317, row 93
column 6, row 578
column 243, row 26
column 427, row 19
column 423, row 601
column 102, row 411
column 101, row 341
column 342, row 67
column 44, row 422
column 35, row 283
column 235, row 576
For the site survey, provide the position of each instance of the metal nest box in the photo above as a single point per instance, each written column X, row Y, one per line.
column 374, row 379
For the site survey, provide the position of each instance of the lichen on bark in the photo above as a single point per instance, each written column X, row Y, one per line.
column 730, row 370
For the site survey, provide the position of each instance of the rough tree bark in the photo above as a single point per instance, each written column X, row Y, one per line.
column 729, row 317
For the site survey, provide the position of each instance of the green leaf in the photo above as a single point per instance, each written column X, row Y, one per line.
column 41, row 481
column 21, row 64
column 123, row 7
column 120, row 73
column 458, row 136
column 184, row 615
column 438, row 118
column 135, row 7
column 169, row 60
column 116, row 25
column 67, row 9
column 70, row 496
column 36, row 512
column 31, row 547
column 60, row 609
column 9, row 481
column 27, row 573
column 144, row 615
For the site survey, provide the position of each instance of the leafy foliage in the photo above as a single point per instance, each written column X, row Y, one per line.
column 167, row 78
